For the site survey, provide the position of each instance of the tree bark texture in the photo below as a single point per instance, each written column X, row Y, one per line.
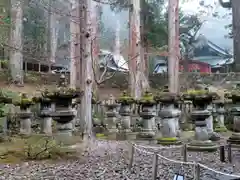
column 16, row 56
column 236, row 33
column 87, row 71
column 74, row 42
column 172, row 58
column 54, row 31
column 138, row 80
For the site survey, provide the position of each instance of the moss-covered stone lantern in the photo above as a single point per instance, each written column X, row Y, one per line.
column 45, row 111
column 234, row 95
column 201, row 99
column 25, row 114
column 170, row 117
column 4, row 99
column 147, row 113
column 125, row 101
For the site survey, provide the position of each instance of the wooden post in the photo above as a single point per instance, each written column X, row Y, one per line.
column 154, row 166
column 131, row 157
column 184, row 152
column 222, row 154
column 197, row 171
column 229, row 153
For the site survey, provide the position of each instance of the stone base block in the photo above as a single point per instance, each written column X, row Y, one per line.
column 146, row 134
column 220, row 129
column 168, row 141
column 131, row 135
column 208, row 146
column 64, row 137
column 111, row 135
column 234, row 139
column 121, row 136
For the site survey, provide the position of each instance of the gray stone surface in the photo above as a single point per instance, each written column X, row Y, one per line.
column 109, row 160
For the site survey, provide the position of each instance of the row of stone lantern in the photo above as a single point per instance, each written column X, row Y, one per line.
column 147, row 111
column 201, row 116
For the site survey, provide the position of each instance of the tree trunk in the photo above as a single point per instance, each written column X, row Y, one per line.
column 54, row 31
column 172, row 58
column 236, row 33
column 96, row 15
column 16, row 56
column 74, row 43
column 87, row 71
column 138, row 81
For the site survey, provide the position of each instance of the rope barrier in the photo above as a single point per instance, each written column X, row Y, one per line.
column 176, row 161
column 154, row 147
column 146, row 152
column 219, row 172
column 185, row 163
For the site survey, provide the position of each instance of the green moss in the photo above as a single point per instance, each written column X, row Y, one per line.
column 168, row 141
column 220, row 129
column 125, row 99
column 24, row 102
column 100, row 135
column 147, row 98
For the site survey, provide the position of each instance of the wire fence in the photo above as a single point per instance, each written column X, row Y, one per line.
column 151, row 160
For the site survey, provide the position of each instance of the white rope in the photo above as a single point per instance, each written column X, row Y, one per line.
column 218, row 172
column 144, row 151
column 154, row 147
column 176, row 161
column 185, row 163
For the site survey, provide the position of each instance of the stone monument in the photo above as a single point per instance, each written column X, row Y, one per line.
column 235, row 112
column 45, row 112
column 220, row 113
column 125, row 102
column 62, row 98
column 147, row 113
column 25, row 114
column 170, row 118
column 111, row 116
column 201, row 99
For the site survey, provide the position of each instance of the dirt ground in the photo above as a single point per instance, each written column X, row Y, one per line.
column 32, row 89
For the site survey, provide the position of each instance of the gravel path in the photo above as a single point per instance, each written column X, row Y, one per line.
column 109, row 161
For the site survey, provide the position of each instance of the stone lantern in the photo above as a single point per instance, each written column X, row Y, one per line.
column 201, row 99
column 111, row 116
column 220, row 113
column 170, row 118
column 45, row 112
column 125, row 111
column 235, row 112
column 147, row 113
column 25, row 114
column 63, row 113
column 3, row 101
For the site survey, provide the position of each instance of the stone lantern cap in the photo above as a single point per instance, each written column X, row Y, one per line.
column 233, row 95
column 147, row 99
column 167, row 97
column 200, row 97
column 4, row 98
column 235, row 111
column 125, row 99
column 200, row 94
column 24, row 102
